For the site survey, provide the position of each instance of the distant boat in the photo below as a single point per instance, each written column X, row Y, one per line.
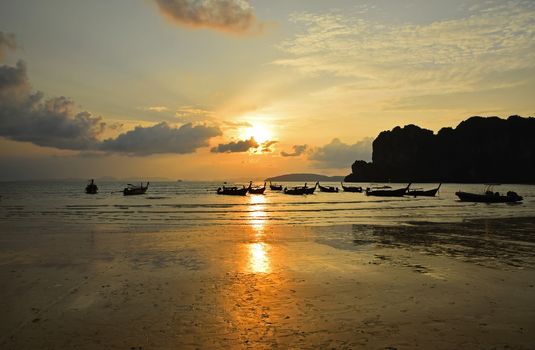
column 91, row 187
column 418, row 192
column 351, row 189
column 330, row 189
column 256, row 190
column 133, row 190
column 234, row 191
column 400, row 192
column 275, row 187
column 489, row 196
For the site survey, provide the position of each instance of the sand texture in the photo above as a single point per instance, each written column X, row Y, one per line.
column 423, row 286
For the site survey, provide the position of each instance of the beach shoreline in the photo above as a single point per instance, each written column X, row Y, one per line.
column 420, row 285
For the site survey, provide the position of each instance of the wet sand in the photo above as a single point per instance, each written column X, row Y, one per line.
column 427, row 286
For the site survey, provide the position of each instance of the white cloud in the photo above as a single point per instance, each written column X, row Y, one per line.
column 337, row 154
column 444, row 55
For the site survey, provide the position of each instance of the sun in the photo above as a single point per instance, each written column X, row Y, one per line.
column 257, row 131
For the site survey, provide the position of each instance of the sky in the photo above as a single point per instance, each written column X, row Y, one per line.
column 237, row 89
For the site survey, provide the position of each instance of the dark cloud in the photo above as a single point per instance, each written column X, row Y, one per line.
column 161, row 138
column 337, row 154
column 235, row 16
column 236, row 146
column 297, row 151
column 26, row 116
column 7, row 42
column 265, row 147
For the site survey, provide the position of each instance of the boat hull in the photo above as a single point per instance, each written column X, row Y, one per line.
column 91, row 189
column 295, row 191
column 487, row 198
column 134, row 192
column 328, row 189
column 310, row 190
column 238, row 192
column 257, row 190
column 387, row 193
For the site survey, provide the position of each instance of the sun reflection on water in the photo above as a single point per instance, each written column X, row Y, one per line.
column 259, row 260
column 257, row 215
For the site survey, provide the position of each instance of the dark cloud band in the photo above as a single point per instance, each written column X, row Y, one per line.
column 236, row 146
column 26, row 116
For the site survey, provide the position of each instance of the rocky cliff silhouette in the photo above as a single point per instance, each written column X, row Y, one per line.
column 479, row 149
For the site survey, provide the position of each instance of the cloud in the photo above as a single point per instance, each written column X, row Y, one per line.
column 161, row 138
column 337, row 154
column 236, row 146
column 297, row 151
column 265, row 147
column 7, row 42
column 193, row 113
column 26, row 116
column 440, row 56
column 236, row 125
column 232, row 16
column 157, row 109
column 183, row 115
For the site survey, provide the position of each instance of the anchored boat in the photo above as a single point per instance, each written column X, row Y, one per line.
column 329, row 189
column 418, row 192
column 489, row 196
column 351, row 189
column 91, row 187
column 400, row 192
column 275, row 187
column 133, row 190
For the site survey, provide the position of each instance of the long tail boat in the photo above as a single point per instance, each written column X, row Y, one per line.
column 296, row 191
column 133, row 190
column 351, row 189
column 91, row 187
column 275, row 187
column 256, row 190
column 310, row 190
column 400, row 192
column 234, row 191
column 418, row 192
column 489, row 196
column 330, row 189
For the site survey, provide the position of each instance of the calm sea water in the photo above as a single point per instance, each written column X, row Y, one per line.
column 196, row 203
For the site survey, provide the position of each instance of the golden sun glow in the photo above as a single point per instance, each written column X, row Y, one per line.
column 259, row 132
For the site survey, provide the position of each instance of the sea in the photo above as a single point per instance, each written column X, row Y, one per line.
column 175, row 203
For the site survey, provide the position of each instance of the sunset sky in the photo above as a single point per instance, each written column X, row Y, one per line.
column 237, row 89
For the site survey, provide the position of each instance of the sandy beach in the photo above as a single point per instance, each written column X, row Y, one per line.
column 464, row 285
